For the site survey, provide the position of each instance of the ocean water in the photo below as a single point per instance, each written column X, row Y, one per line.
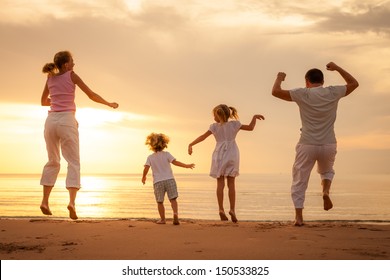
column 259, row 197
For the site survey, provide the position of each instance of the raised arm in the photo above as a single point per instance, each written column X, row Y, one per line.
column 184, row 165
column 252, row 124
column 92, row 95
column 352, row 83
column 277, row 90
column 198, row 140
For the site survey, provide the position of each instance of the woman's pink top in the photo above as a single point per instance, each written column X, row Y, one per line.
column 62, row 93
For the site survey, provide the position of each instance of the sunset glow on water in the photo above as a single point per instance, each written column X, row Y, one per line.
column 259, row 197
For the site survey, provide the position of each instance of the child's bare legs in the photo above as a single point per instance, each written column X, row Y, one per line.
column 72, row 203
column 232, row 197
column 220, row 189
column 325, row 194
column 175, row 208
column 232, row 192
column 298, row 217
column 45, row 200
column 161, row 211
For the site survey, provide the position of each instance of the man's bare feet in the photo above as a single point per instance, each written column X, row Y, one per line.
column 161, row 222
column 298, row 217
column 327, row 202
column 45, row 210
column 298, row 223
column 72, row 212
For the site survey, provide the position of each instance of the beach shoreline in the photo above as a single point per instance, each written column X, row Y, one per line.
column 142, row 239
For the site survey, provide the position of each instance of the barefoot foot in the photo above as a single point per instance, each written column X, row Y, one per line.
column 233, row 216
column 223, row 216
column 161, row 222
column 327, row 202
column 298, row 223
column 176, row 220
column 72, row 212
column 298, row 217
column 45, row 210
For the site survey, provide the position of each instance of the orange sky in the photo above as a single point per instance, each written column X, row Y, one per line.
column 168, row 63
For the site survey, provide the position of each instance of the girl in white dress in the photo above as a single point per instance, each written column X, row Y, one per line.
column 226, row 156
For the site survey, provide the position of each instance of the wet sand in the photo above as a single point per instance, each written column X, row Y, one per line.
column 127, row 239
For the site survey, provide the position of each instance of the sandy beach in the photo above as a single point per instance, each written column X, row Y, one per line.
column 127, row 239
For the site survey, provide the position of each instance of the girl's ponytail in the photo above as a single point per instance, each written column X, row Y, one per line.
column 49, row 68
column 233, row 113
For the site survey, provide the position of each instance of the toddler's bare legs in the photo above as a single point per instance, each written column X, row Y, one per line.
column 220, row 189
column 72, row 203
column 325, row 194
column 161, row 211
column 45, row 200
column 175, row 209
column 232, row 197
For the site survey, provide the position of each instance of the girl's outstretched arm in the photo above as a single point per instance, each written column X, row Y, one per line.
column 92, row 95
column 184, row 165
column 252, row 124
column 198, row 140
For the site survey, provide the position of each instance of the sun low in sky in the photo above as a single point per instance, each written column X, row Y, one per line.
column 168, row 63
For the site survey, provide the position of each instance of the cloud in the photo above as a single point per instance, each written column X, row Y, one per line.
column 265, row 16
column 330, row 16
column 360, row 17
column 24, row 12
